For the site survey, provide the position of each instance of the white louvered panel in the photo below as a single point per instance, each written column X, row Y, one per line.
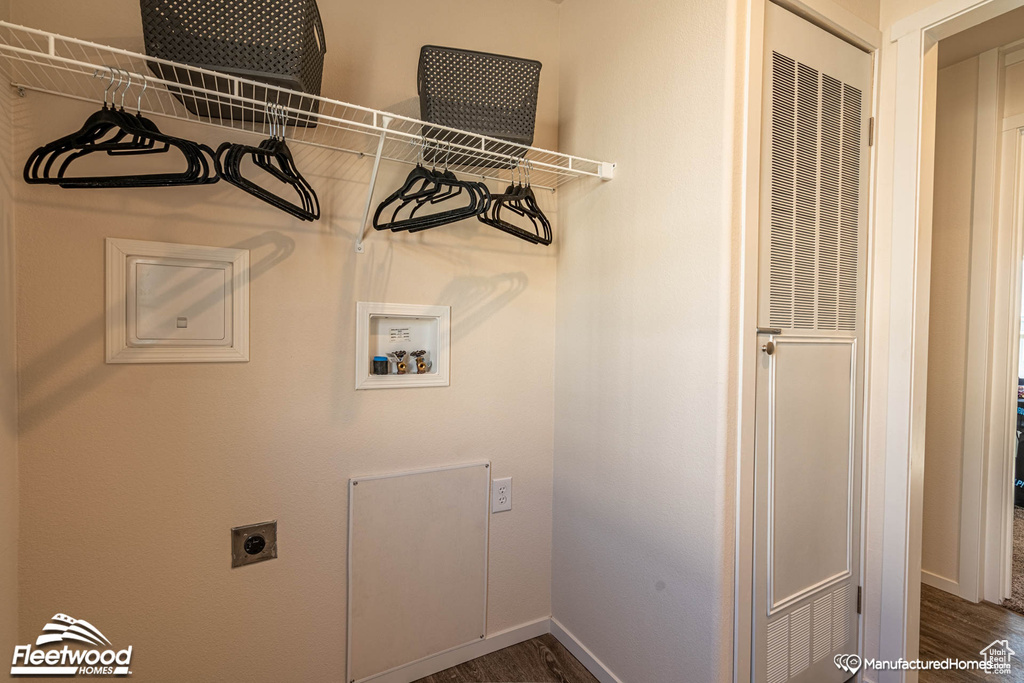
column 828, row 226
column 799, row 640
column 821, row 624
column 850, row 214
column 805, row 255
column 778, row 650
column 815, row 200
column 782, row 184
column 840, row 617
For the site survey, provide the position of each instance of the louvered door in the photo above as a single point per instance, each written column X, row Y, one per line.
column 809, row 386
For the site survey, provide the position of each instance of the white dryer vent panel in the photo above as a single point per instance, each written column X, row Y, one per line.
column 815, row 183
column 417, row 566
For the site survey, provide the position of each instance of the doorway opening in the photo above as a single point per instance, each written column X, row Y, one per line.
column 974, row 416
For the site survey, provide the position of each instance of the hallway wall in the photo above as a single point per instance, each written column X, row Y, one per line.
column 956, row 111
column 642, row 561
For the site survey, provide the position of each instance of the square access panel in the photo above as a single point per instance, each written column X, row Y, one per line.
column 176, row 303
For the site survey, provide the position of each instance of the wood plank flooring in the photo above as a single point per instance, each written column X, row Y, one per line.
column 540, row 660
column 950, row 627
column 958, row 629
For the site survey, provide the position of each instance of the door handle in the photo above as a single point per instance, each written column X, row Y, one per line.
column 768, row 348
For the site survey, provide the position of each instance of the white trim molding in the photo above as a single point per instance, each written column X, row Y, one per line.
column 940, row 582
column 498, row 641
column 460, row 655
column 123, row 344
column 580, row 651
column 983, row 236
column 439, row 347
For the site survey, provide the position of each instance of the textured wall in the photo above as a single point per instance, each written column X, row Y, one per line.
column 866, row 10
column 8, row 379
column 132, row 475
column 642, row 565
column 956, row 111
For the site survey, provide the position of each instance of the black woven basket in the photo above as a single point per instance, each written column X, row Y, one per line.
column 492, row 95
column 278, row 42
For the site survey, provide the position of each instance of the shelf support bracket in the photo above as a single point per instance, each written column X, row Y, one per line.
column 364, row 226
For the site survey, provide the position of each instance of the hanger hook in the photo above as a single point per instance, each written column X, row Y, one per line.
column 266, row 118
column 145, row 86
column 113, row 93
column 128, row 75
column 284, row 122
column 110, row 84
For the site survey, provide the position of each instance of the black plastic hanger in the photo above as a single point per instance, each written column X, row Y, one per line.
column 519, row 199
column 275, row 158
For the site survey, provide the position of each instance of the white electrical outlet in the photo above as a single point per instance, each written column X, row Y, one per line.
column 501, row 495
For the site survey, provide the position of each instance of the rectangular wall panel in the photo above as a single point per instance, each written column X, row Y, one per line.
column 417, row 565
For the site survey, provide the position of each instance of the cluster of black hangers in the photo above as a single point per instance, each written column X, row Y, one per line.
column 433, row 191
column 120, row 133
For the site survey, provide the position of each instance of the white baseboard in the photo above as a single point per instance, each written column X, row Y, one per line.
column 580, row 651
column 940, row 582
column 460, row 655
column 493, row 643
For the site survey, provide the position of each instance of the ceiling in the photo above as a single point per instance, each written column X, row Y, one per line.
column 1002, row 30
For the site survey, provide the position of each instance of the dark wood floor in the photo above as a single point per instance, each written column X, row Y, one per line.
column 950, row 628
column 541, row 660
column 958, row 629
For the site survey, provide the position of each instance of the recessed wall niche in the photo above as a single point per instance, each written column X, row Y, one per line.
column 384, row 331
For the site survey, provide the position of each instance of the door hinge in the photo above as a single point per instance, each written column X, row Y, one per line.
column 871, row 132
column 859, row 591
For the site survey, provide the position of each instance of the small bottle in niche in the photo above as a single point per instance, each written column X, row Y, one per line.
column 381, row 365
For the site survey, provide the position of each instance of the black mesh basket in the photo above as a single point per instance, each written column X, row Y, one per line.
column 492, row 95
column 278, row 42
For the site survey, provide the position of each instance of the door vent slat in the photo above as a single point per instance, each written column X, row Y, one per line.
column 821, row 621
column 815, row 202
column 799, row 640
column 840, row 617
column 778, row 650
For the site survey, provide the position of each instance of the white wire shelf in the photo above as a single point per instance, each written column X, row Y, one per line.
column 46, row 62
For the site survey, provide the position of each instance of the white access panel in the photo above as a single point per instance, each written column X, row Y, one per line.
column 417, row 567
column 180, row 302
column 176, row 303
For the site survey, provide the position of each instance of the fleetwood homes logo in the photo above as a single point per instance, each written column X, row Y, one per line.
column 98, row 658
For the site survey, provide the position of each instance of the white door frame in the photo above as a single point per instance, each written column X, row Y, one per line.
column 970, row 582
column 750, row 26
column 1006, row 329
column 896, row 398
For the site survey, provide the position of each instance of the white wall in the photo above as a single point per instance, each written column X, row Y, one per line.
column 956, row 112
column 642, row 561
column 133, row 475
column 8, row 379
